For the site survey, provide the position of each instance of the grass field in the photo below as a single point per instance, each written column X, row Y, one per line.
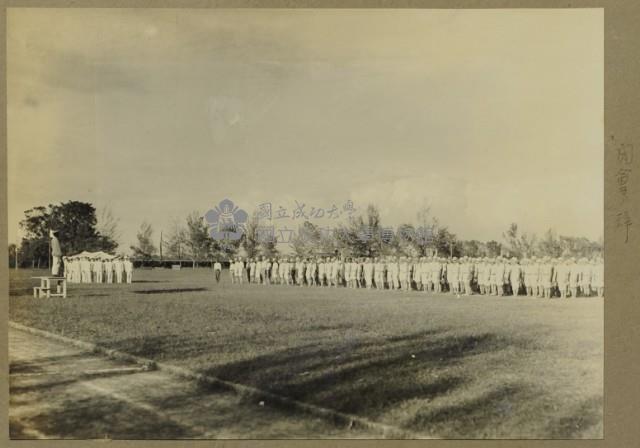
column 432, row 365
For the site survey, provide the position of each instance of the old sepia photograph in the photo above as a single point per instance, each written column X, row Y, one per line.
column 305, row 223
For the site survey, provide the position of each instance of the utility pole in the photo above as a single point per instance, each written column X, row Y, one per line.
column 49, row 239
column 161, row 245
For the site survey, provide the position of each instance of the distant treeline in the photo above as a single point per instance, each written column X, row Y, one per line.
column 188, row 241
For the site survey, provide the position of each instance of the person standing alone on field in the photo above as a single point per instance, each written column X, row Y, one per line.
column 217, row 269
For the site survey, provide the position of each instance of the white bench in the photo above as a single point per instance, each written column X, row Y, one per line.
column 44, row 290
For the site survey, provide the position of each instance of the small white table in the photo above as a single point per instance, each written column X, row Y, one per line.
column 44, row 290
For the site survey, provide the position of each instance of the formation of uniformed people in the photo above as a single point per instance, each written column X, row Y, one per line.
column 87, row 269
column 543, row 277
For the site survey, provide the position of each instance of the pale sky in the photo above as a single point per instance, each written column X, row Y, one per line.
column 488, row 116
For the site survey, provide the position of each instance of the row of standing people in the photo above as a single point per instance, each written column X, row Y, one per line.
column 498, row 276
column 80, row 269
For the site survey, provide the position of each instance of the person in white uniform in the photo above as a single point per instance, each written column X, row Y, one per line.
column 128, row 268
column 108, row 270
column 454, row 273
column 561, row 276
column 96, row 270
column 378, row 272
column 85, row 270
column 546, row 277
column 393, row 273
column 118, row 268
column 367, row 273
column 598, row 276
column 275, row 271
column 514, row 275
column 466, row 276
column 300, row 268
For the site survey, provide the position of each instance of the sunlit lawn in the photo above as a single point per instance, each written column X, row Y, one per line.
column 433, row 365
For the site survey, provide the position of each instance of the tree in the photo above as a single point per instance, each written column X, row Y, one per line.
column 197, row 239
column 446, row 243
column 145, row 248
column 328, row 244
column 174, row 244
column 471, row 248
column 493, row 249
column 76, row 225
column 13, row 251
column 249, row 239
column 579, row 246
column 511, row 238
column 107, row 224
column 362, row 236
column 424, row 241
column 35, row 250
column 404, row 242
column 550, row 245
column 373, row 231
column 224, row 250
column 268, row 248
column 307, row 240
column 527, row 245
column 519, row 245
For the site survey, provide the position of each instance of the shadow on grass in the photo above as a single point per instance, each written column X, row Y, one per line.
column 364, row 378
column 99, row 417
column 20, row 291
column 42, row 386
column 42, row 381
column 510, row 410
column 375, row 377
column 37, row 365
column 169, row 291
column 149, row 281
column 17, row 430
column 69, row 378
column 187, row 346
column 471, row 417
column 24, row 367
